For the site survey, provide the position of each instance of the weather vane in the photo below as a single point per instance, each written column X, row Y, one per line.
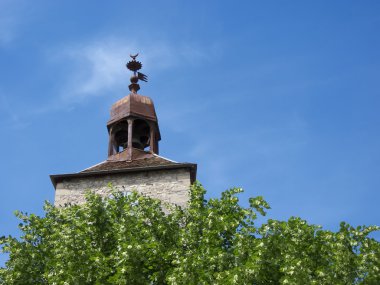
column 134, row 66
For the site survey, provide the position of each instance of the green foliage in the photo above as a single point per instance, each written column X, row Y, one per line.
column 129, row 239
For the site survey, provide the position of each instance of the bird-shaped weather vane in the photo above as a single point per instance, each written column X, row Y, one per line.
column 134, row 66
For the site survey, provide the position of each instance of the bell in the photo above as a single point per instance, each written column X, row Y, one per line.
column 137, row 143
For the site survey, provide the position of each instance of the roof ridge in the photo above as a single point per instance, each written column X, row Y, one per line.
column 165, row 158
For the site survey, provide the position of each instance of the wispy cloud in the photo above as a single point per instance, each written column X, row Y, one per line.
column 255, row 147
column 96, row 66
column 9, row 117
column 6, row 28
column 10, row 18
column 6, row 109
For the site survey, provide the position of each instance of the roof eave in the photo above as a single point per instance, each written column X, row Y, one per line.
column 55, row 178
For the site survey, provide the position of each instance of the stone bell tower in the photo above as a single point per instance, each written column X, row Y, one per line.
column 133, row 162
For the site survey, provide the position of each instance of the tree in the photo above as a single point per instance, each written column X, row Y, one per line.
column 132, row 239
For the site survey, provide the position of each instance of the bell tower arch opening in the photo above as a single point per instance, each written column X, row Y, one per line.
column 120, row 133
column 141, row 134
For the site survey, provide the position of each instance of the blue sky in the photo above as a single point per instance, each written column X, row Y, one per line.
column 278, row 97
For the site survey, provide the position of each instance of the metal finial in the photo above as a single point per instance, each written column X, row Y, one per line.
column 134, row 66
column 134, row 56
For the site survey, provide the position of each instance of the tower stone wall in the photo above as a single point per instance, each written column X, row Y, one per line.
column 170, row 186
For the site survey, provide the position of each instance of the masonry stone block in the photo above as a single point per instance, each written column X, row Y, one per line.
column 170, row 185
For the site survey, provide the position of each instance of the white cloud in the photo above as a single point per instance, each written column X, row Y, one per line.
column 8, row 117
column 11, row 15
column 95, row 68
column 98, row 66
column 6, row 25
column 6, row 109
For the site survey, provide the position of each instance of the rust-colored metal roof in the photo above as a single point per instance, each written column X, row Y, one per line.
column 130, row 155
column 133, row 105
column 107, row 165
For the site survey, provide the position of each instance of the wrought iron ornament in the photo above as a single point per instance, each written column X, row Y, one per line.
column 134, row 66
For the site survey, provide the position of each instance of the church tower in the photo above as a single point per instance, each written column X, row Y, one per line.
column 133, row 161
